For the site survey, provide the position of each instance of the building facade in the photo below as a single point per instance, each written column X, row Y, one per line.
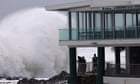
column 101, row 23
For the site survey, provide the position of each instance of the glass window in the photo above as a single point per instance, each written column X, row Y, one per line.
column 92, row 21
column 108, row 22
column 129, row 21
column 74, row 20
column 80, row 21
column 97, row 22
column 119, row 25
column 84, row 20
column 83, row 25
column 119, row 22
column 89, row 29
column 138, row 19
column 138, row 28
column 134, row 20
column 74, row 31
column 130, row 25
column 89, row 21
column 98, row 33
column 108, row 26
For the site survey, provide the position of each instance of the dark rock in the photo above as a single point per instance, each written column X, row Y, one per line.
column 12, row 78
column 42, row 81
column 33, row 81
column 23, row 81
column 60, row 77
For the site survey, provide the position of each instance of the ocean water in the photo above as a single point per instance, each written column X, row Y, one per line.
column 29, row 44
column 8, row 81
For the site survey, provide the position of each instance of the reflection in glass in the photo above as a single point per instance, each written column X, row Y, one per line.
column 130, row 25
column 119, row 22
column 73, row 20
column 97, row 22
column 119, row 25
column 74, row 32
column 138, row 25
column 82, row 26
column 108, row 26
column 80, row 21
column 98, row 26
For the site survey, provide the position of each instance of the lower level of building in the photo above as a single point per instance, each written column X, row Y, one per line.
column 108, row 73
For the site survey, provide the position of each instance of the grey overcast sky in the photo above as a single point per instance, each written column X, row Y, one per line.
column 10, row 6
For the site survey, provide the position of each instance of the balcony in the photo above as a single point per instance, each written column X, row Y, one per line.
column 117, row 33
column 121, row 70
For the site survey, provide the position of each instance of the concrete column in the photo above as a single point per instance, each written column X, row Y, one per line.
column 117, row 59
column 73, row 75
column 101, row 63
column 128, row 59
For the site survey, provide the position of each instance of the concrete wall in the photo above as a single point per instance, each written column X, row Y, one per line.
column 121, row 80
column 92, row 43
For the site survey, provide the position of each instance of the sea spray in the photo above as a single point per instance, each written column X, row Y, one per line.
column 29, row 44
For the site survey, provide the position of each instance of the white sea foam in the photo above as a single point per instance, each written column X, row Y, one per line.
column 29, row 44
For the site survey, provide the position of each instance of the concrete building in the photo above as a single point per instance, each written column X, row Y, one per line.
column 102, row 23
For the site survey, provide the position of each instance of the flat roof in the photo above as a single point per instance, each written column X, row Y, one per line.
column 91, row 4
column 67, row 6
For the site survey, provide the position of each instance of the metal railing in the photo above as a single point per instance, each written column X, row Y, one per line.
column 108, row 33
column 123, row 70
column 132, row 70
column 86, row 68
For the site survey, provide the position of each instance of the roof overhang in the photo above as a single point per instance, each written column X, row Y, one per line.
column 109, row 3
column 67, row 6
column 92, row 5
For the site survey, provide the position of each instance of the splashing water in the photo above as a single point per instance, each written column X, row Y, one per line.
column 29, row 44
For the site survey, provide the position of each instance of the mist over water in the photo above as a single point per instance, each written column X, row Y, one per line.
column 29, row 44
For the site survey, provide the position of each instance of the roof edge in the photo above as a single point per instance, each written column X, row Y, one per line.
column 67, row 6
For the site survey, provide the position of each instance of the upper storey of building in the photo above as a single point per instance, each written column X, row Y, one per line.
column 100, row 23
